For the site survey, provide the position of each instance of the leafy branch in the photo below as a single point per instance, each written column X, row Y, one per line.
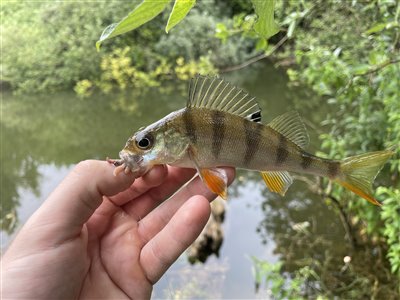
column 264, row 27
column 379, row 67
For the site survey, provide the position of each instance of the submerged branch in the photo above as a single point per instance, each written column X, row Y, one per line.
column 315, row 188
column 345, row 220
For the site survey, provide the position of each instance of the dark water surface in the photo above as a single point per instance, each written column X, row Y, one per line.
column 43, row 137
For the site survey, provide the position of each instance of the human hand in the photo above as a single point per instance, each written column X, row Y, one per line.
column 101, row 236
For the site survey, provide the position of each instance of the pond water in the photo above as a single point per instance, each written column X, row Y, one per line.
column 43, row 137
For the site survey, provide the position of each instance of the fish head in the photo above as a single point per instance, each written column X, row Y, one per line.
column 159, row 143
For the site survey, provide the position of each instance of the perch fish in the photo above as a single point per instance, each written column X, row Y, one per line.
column 221, row 126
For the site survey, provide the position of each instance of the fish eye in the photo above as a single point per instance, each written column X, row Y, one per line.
column 145, row 142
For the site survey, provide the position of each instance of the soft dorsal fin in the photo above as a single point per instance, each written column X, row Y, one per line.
column 292, row 127
column 217, row 94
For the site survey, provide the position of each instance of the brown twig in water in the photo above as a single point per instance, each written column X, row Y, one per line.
column 345, row 220
column 342, row 214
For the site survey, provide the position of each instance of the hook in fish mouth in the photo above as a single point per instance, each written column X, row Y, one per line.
column 129, row 163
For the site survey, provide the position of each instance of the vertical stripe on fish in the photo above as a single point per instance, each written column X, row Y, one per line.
column 252, row 132
column 190, row 126
column 218, row 130
column 282, row 153
column 306, row 161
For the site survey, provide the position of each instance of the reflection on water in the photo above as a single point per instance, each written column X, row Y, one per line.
column 230, row 275
column 43, row 137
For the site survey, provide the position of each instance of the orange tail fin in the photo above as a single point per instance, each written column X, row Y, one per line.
column 360, row 171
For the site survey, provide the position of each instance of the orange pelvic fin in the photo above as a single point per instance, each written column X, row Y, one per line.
column 216, row 180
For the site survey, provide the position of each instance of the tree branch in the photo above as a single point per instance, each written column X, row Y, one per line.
column 256, row 58
column 379, row 67
column 344, row 218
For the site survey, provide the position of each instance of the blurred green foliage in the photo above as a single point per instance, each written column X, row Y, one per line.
column 50, row 46
column 348, row 53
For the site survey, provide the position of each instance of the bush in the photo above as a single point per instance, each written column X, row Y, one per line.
column 195, row 37
column 49, row 46
column 347, row 52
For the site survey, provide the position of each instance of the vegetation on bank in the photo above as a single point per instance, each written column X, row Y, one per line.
column 356, row 68
column 346, row 52
column 50, row 46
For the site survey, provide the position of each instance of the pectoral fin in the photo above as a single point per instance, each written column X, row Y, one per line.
column 277, row 181
column 216, row 180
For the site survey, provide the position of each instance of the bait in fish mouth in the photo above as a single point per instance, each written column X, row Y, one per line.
column 120, row 166
column 221, row 126
column 129, row 164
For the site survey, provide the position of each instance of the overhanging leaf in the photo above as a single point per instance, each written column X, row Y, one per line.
column 265, row 25
column 144, row 12
column 376, row 28
column 360, row 69
column 179, row 11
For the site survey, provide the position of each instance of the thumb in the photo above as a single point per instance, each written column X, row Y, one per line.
column 77, row 197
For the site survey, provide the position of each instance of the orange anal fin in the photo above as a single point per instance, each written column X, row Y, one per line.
column 277, row 181
column 359, row 192
column 216, row 180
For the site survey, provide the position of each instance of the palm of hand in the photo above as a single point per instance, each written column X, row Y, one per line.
column 116, row 249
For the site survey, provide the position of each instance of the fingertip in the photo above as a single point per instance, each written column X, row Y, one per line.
column 230, row 173
column 178, row 234
column 91, row 166
column 101, row 173
column 196, row 211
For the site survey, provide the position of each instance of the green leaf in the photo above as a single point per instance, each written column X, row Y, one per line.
column 261, row 44
column 360, row 69
column 291, row 28
column 179, row 11
column 376, row 28
column 144, row 12
column 265, row 25
column 221, row 32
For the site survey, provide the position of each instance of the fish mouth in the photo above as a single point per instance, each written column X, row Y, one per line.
column 129, row 162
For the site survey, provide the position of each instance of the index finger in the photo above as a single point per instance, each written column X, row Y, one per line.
column 77, row 197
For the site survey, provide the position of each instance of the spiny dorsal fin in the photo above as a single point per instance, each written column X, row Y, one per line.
column 292, row 127
column 277, row 181
column 217, row 94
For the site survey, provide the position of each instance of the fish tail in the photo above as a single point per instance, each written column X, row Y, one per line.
column 359, row 172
